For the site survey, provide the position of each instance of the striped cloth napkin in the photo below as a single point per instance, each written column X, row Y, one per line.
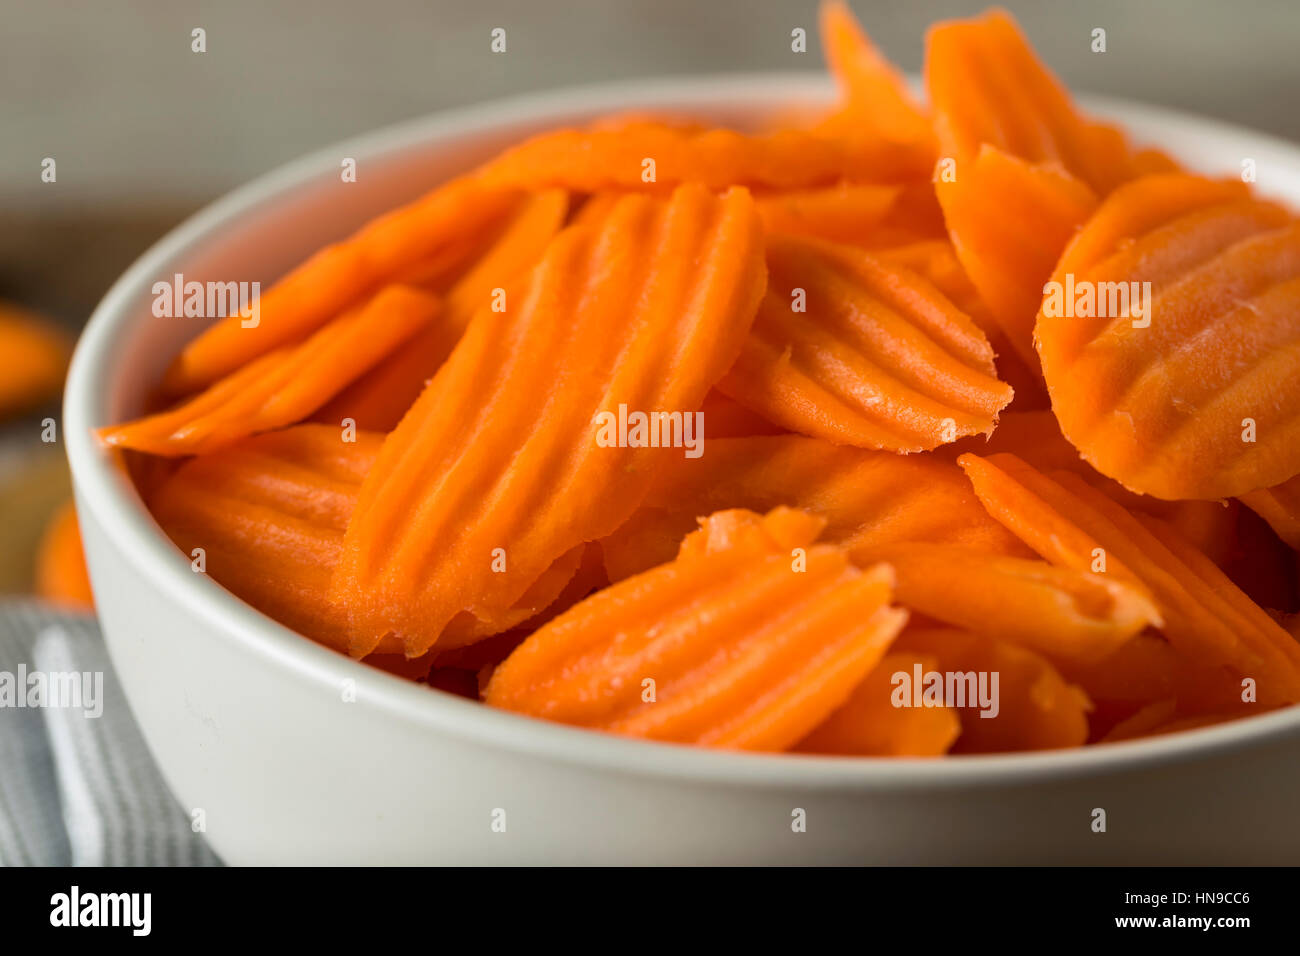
column 77, row 785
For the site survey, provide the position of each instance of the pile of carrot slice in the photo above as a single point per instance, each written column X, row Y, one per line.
column 724, row 437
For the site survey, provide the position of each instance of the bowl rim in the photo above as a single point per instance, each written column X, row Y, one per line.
column 108, row 498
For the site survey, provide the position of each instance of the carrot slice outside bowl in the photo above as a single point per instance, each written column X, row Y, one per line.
column 849, row 348
column 1206, row 616
column 35, row 353
column 500, row 467
column 748, row 640
column 61, row 574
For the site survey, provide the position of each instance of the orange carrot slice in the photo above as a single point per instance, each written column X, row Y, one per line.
column 1169, row 402
column 36, row 357
column 1280, row 507
column 656, row 157
column 727, row 646
column 269, row 513
column 1032, row 706
column 1009, row 221
column 851, row 349
column 284, row 387
column 876, row 101
column 1073, row 525
column 937, row 261
column 727, row 418
column 987, row 85
column 1146, row 670
column 446, row 221
column 869, row 725
column 1036, row 438
column 1061, row 613
column 869, row 499
column 61, row 574
column 502, row 465
column 846, row 212
column 379, row 398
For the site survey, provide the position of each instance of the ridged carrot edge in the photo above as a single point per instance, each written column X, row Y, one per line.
column 1161, row 401
column 869, row 725
column 337, row 277
column 869, row 499
column 1061, row 613
column 379, row 398
column 852, row 349
column 1073, row 525
column 501, row 462
column 1009, row 222
column 742, row 646
column 287, row 385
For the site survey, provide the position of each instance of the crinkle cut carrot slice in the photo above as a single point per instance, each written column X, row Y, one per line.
column 1035, row 437
column 450, row 219
column 849, row 348
column 285, row 386
column 379, row 398
column 1181, row 399
column 1206, row 616
column 269, row 513
column 845, row 212
column 1061, row 613
column 868, row 498
column 1009, row 222
column 36, row 356
column 503, row 464
column 987, row 85
column 1032, row 708
column 875, row 99
column 741, row 649
column 869, row 725
column 61, row 574
column 657, row 158
column 1280, row 507
column 937, row 261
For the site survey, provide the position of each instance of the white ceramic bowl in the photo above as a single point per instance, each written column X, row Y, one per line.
column 248, row 720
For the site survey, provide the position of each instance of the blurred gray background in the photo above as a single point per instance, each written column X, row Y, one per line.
column 144, row 130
